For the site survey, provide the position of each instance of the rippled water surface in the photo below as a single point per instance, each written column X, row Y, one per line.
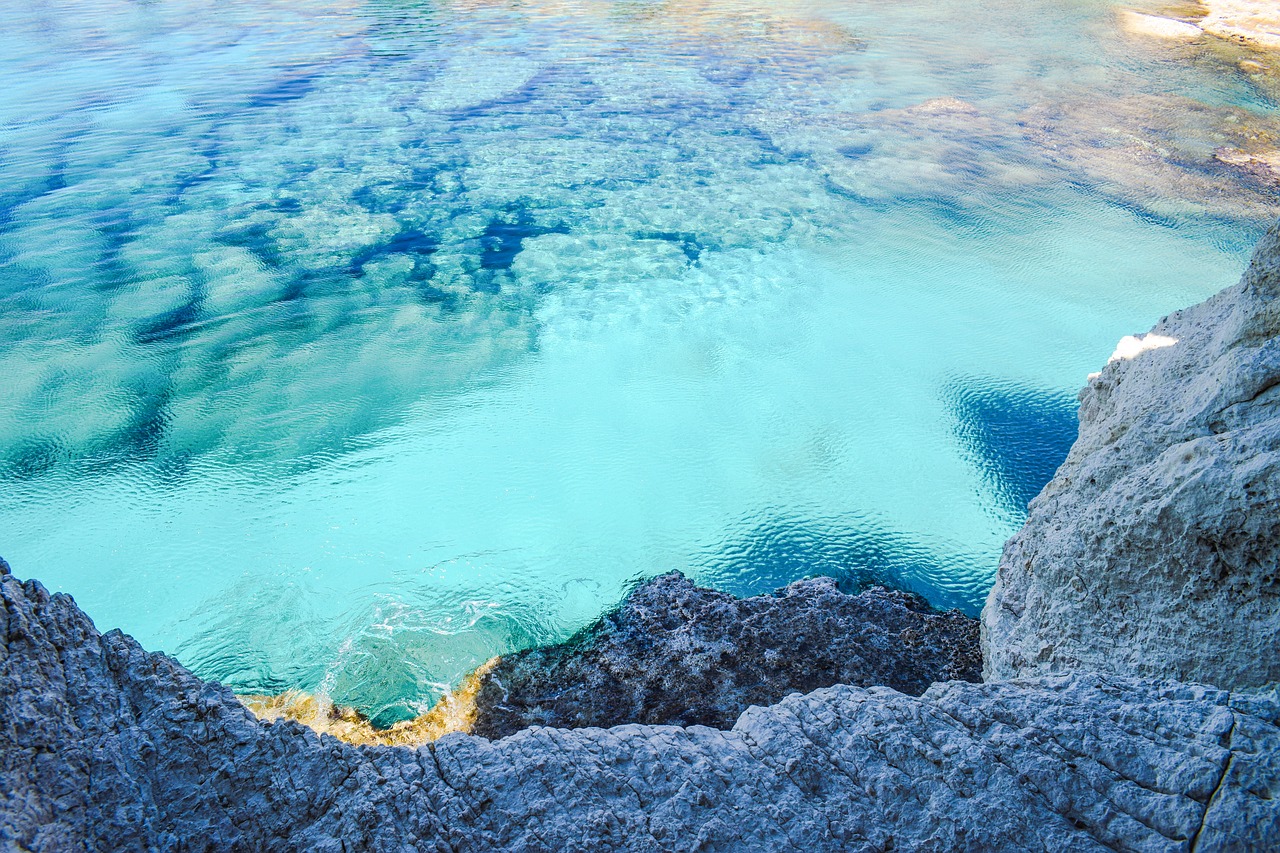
column 344, row 345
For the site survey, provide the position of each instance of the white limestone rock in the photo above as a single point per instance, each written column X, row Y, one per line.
column 1155, row 550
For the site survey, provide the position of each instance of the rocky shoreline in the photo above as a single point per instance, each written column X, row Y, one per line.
column 673, row 653
column 1155, row 550
column 109, row 747
column 1131, row 649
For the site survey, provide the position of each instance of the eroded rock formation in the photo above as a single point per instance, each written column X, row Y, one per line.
column 1155, row 550
column 108, row 747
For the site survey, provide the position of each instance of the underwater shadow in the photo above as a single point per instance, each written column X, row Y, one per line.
column 777, row 550
column 1015, row 435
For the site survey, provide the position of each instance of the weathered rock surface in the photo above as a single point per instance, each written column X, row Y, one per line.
column 106, row 747
column 1252, row 22
column 1155, row 550
column 675, row 653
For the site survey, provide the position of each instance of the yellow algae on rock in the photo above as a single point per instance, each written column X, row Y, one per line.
column 455, row 712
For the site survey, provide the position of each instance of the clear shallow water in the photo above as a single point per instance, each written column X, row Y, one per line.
column 347, row 345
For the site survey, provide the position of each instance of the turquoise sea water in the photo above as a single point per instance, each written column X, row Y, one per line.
column 345, row 345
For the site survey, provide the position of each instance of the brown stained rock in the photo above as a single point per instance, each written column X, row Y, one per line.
column 1162, row 153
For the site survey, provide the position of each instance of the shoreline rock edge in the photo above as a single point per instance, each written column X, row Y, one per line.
column 108, row 747
column 1089, row 734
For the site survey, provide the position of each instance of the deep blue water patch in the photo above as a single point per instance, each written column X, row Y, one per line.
column 168, row 325
column 857, row 553
column 688, row 243
column 289, row 89
column 31, row 459
column 856, row 151
column 409, row 242
column 1016, row 435
column 504, row 237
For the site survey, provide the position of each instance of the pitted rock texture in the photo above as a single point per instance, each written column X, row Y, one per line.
column 1155, row 550
column 675, row 653
column 105, row 747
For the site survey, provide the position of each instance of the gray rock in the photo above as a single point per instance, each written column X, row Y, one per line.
column 675, row 653
column 1155, row 550
column 106, row 747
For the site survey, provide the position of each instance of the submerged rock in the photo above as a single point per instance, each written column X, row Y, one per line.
column 680, row 654
column 1167, row 154
column 1155, row 550
column 106, row 747
column 1254, row 22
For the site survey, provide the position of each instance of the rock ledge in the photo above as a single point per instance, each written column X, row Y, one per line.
column 1155, row 550
column 674, row 653
column 108, row 747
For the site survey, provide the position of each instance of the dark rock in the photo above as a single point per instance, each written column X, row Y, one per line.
column 678, row 654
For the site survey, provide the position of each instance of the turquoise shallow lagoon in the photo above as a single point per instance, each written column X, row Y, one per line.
column 346, row 345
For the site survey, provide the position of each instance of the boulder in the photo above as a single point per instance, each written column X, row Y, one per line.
column 675, row 653
column 1155, row 549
